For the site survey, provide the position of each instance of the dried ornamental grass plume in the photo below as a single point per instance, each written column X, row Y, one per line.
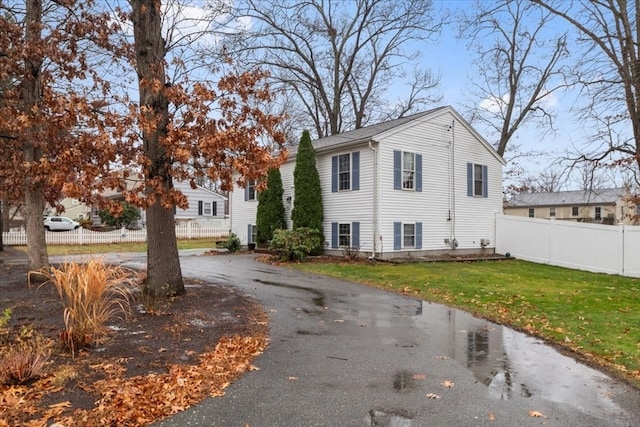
column 25, row 361
column 93, row 294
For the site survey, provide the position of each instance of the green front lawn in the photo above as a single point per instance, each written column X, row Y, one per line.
column 595, row 315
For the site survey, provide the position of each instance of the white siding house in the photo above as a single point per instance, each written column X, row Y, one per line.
column 422, row 184
column 205, row 206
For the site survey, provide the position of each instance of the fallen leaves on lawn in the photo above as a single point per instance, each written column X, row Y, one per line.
column 139, row 400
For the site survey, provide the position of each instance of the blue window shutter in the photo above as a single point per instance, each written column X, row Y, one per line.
column 214, row 208
column 469, row 179
column 246, row 192
column 249, row 233
column 418, row 172
column 485, row 181
column 397, row 236
column 334, row 235
column 397, row 170
column 199, row 207
column 355, row 234
column 418, row 235
column 334, row 174
column 355, row 170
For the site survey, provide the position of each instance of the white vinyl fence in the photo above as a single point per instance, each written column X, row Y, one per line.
column 82, row 236
column 613, row 249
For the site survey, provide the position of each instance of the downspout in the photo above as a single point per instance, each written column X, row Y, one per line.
column 375, row 198
column 452, row 213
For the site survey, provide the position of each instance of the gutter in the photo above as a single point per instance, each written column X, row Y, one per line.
column 375, row 198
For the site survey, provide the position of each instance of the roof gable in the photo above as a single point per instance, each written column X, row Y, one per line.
column 381, row 130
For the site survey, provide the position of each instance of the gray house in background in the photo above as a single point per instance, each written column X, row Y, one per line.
column 605, row 206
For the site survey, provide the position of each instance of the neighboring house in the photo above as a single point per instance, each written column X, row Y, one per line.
column 607, row 206
column 426, row 183
column 205, row 206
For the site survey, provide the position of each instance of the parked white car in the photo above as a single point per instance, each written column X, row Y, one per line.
column 60, row 223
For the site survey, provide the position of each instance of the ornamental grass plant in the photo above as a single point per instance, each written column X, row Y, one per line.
column 93, row 294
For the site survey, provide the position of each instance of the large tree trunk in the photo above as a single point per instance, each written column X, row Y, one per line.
column 164, row 276
column 31, row 98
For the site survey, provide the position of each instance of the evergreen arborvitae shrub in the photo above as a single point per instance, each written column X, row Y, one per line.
column 307, row 201
column 271, row 215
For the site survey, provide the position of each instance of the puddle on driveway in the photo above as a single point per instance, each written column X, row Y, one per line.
column 318, row 300
column 512, row 364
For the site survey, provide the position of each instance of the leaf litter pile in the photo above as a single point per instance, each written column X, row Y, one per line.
column 151, row 365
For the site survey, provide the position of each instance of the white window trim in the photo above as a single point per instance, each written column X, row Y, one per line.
column 340, row 235
column 404, row 235
column 348, row 172
column 411, row 171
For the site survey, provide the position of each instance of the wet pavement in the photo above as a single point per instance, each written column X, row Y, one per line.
column 342, row 354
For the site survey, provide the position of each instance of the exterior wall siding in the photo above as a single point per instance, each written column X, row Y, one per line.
column 443, row 207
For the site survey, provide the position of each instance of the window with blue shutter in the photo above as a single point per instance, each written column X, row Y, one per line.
column 397, row 170
column 199, row 207
column 418, row 172
column 355, row 170
column 355, row 234
column 477, row 180
column 334, row 235
column 485, row 181
column 397, row 236
column 334, row 174
column 418, row 235
column 249, row 233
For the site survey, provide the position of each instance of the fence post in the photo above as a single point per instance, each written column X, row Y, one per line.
column 80, row 235
column 552, row 245
column 188, row 229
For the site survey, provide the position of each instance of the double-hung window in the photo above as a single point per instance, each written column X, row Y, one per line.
column 532, row 212
column 408, row 171
column 552, row 212
column 206, row 209
column 477, row 180
column 574, row 211
column 344, row 172
column 344, row 235
column 409, row 235
column 598, row 212
column 251, row 190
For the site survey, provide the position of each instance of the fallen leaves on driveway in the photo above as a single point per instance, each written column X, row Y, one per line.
column 140, row 400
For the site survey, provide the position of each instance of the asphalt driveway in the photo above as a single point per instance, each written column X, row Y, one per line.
column 342, row 354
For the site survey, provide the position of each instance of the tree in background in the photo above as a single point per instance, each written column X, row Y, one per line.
column 271, row 214
column 119, row 217
column 517, row 72
column 52, row 99
column 307, row 199
column 339, row 59
column 609, row 74
column 189, row 130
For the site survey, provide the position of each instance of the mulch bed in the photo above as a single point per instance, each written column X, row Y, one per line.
column 151, row 366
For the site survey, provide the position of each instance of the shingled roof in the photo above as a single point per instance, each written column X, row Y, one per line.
column 604, row 196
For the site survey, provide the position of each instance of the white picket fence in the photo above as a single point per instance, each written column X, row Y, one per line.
column 613, row 249
column 82, row 236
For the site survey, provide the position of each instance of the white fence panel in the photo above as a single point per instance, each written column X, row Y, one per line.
column 631, row 249
column 592, row 247
column 523, row 238
column 83, row 236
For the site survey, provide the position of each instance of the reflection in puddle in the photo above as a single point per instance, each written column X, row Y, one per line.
column 388, row 418
column 512, row 364
column 318, row 300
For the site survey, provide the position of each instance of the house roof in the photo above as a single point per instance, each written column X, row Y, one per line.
column 365, row 134
column 576, row 197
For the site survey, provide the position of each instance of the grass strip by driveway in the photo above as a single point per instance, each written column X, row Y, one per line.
column 595, row 315
column 53, row 250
